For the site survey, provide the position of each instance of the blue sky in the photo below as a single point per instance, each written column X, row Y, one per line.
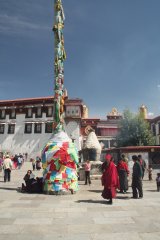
column 113, row 52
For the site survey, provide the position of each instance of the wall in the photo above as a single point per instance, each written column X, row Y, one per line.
column 20, row 142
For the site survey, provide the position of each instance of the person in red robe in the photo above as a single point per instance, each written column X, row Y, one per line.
column 109, row 179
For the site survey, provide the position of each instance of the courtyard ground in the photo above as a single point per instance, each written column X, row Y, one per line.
column 82, row 216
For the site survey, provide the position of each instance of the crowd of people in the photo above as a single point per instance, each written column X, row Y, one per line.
column 17, row 160
column 7, row 164
column 115, row 176
column 14, row 162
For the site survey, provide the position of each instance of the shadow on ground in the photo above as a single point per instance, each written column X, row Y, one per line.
column 123, row 197
column 95, row 191
column 9, row 188
column 151, row 190
column 91, row 201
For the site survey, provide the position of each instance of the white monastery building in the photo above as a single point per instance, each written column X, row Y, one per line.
column 26, row 124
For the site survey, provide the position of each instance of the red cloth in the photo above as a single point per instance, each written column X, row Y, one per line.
column 48, row 176
column 52, row 167
column 122, row 166
column 110, row 181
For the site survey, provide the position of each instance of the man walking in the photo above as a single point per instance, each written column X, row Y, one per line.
column 137, row 178
column 7, row 166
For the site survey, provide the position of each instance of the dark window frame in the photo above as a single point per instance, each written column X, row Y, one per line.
column 47, row 129
column 1, row 114
column 10, row 114
column 10, row 127
column 47, row 113
column 2, row 125
column 27, row 115
column 154, row 129
column 159, row 128
column 36, row 128
column 36, row 115
column 26, row 130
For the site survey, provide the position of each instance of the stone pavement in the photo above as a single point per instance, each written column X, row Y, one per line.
column 82, row 216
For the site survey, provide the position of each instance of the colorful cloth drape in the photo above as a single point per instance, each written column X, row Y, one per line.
column 59, row 160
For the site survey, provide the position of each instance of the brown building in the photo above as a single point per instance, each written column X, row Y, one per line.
column 106, row 130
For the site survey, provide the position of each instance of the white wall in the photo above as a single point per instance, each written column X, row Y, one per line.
column 33, row 143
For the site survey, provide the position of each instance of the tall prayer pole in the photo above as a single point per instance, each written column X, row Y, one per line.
column 60, row 56
column 59, row 156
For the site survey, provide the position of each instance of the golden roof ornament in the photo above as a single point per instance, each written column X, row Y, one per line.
column 114, row 112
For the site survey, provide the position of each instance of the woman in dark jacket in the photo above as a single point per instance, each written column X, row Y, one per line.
column 28, row 181
column 32, row 185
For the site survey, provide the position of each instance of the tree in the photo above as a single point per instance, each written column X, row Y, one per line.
column 134, row 131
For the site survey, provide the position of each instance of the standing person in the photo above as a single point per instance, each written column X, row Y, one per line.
column 158, row 182
column 7, row 166
column 137, row 178
column 26, row 156
column 150, row 169
column 87, row 168
column 109, row 179
column 1, row 163
column 33, row 163
column 19, row 162
column 123, row 173
column 38, row 165
column 124, row 158
column 143, row 164
column 15, row 161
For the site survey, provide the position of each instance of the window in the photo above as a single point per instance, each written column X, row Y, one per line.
column 2, row 114
column 11, row 128
column 49, row 112
column 73, row 111
column 159, row 128
column 37, row 128
column 48, row 127
column 12, row 114
column 29, row 113
column 28, row 128
column 154, row 129
column 2, row 128
column 39, row 112
column 113, row 143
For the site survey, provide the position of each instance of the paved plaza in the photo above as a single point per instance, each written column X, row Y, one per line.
column 82, row 216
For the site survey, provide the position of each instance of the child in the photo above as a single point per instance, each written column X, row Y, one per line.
column 150, row 172
column 158, row 182
column 87, row 168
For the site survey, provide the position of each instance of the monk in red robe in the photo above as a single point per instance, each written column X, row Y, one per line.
column 109, row 179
